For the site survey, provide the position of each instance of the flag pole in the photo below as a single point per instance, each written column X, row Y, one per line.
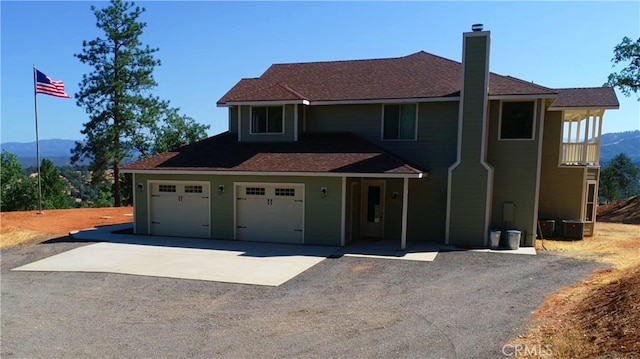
column 35, row 101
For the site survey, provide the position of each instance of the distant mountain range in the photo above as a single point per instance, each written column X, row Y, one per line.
column 56, row 150
column 627, row 142
column 59, row 151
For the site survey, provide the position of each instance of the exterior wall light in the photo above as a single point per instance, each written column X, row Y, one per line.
column 323, row 192
column 140, row 187
column 221, row 189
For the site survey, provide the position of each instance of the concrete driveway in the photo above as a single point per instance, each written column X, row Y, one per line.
column 461, row 305
column 223, row 261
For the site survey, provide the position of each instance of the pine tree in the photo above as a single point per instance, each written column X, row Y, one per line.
column 117, row 91
column 123, row 115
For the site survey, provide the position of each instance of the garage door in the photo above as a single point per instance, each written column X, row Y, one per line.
column 270, row 213
column 180, row 209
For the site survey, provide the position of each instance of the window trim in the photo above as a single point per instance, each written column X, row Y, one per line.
column 533, row 123
column 415, row 121
column 266, row 133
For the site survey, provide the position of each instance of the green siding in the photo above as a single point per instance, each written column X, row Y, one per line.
column 233, row 120
column 322, row 215
column 393, row 209
column 288, row 134
column 561, row 188
column 515, row 164
column 470, row 178
column 433, row 151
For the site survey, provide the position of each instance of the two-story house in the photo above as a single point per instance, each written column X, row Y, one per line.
column 417, row 148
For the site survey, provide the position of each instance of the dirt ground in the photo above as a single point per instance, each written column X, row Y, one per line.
column 27, row 227
column 599, row 317
column 625, row 211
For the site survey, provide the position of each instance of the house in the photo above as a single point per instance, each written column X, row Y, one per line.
column 415, row 148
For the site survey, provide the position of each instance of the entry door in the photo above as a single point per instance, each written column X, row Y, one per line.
column 372, row 216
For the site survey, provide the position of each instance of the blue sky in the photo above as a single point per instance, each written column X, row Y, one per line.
column 206, row 47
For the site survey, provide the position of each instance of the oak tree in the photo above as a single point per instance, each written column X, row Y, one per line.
column 628, row 78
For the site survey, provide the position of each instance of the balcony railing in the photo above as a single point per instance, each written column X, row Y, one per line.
column 580, row 154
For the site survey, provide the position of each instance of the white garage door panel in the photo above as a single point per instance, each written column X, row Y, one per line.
column 270, row 213
column 180, row 209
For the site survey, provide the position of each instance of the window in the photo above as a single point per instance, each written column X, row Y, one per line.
column 590, row 210
column 254, row 191
column 399, row 122
column 192, row 189
column 166, row 188
column 516, row 122
column 286, row 192
column 267, row 119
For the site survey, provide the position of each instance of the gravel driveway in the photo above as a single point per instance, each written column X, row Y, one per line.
column 462, row 305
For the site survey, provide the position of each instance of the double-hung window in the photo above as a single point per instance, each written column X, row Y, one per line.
column 517, row 120
column 399, row 122
column 267, row 119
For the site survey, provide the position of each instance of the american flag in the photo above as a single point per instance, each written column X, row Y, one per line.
column 47, row 86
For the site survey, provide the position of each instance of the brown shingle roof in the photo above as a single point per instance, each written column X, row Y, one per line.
column 420, row 75
column 314, row 153
column 598, row 97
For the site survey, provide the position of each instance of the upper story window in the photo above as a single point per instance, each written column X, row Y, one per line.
column 399, row 122
column 517, row 120
column 267, row 119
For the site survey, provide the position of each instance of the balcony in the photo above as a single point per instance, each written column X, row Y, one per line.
column 581, row 134
column 580, row 154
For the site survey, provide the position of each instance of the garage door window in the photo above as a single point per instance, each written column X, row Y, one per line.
column 167, row 188
column 192, row 189
column 286, row 192
column 254, row 191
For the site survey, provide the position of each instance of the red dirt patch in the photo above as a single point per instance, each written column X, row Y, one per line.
column 27, row 226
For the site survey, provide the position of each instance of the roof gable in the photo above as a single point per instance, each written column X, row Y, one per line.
column 420, row 75
column 586, row 97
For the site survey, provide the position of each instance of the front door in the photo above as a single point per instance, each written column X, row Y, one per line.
column 372, row 216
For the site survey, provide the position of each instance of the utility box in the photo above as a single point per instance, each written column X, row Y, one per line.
column 572, row 229
column 548, row 227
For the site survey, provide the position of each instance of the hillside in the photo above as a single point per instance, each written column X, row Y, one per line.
column 627, row 142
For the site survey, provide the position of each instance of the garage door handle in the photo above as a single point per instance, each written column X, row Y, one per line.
column 241, row 199
column 155, row 222
column 205, row 197
column 241, row 227
column 205, row 225
column 155, row 195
